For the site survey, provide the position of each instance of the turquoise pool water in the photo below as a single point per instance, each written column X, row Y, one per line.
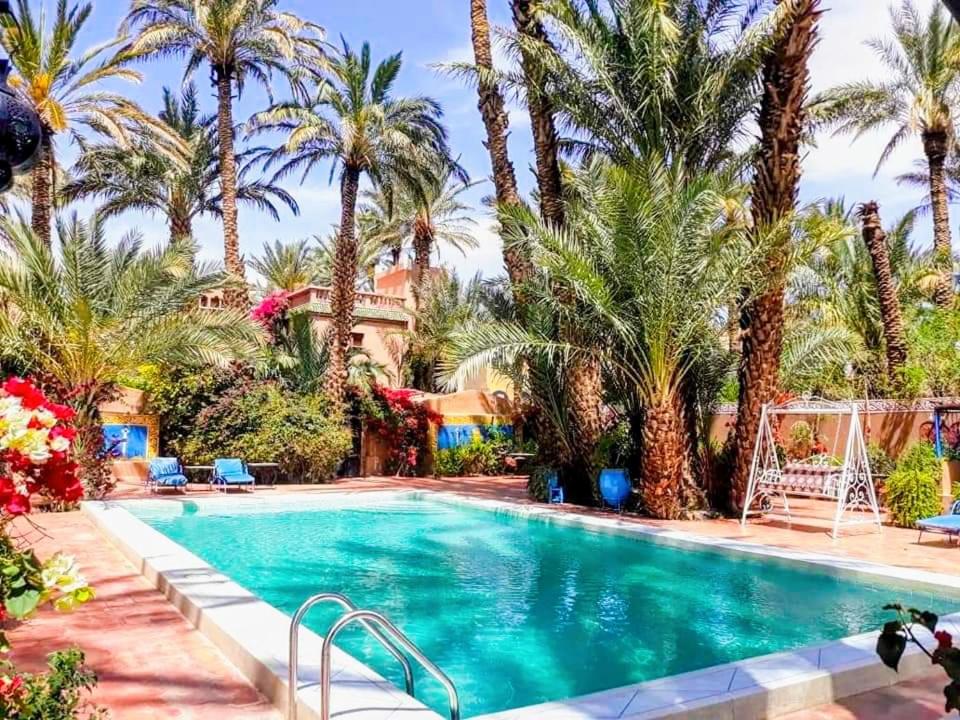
column 519, row 611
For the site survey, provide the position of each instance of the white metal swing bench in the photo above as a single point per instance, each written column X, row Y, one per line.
column 850, row 483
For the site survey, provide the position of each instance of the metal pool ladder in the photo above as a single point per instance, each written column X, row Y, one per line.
column 384, row 631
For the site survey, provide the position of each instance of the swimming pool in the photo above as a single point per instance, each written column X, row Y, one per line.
column 519, row 611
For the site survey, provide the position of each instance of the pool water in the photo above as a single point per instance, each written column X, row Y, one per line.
column 520, row 611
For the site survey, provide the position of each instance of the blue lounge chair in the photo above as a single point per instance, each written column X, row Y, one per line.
column 165, row 472
column 231, row 472
column 947, row 524
column 554, row 489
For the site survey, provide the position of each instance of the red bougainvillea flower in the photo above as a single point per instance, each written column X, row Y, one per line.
column 30, row 396
column 11, row 687
column 944, row 639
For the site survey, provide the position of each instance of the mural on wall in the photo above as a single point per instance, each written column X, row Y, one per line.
column 460, row 430
column 130, row 436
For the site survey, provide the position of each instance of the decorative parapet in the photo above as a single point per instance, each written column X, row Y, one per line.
column 376, row 306
column 360, row 311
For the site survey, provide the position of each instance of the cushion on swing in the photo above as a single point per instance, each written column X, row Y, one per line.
column 804, row 478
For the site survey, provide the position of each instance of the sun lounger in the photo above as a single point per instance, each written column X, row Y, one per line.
column 231, row 472
column 165, row 472
column 946, row 524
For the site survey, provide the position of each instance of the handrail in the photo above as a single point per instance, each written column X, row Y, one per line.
column 366, row 618
column 294, row 656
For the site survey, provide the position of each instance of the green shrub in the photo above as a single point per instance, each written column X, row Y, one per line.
column 448, row 462
column 260, row 422
column 913, row 488
column 478, row 457
column 54, row 695
column 881, row 464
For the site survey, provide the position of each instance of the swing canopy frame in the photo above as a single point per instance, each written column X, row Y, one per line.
column 848, row 483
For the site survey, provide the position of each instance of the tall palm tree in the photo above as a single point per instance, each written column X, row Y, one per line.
column 918, row 97
column 584, row 373
column 144, row 178
column 651, row 266
column 240, row 40
column 93, row 313
column 893, row 332
column 355, row 121
column 496, row 122
column 437, row 215
column 773, row 202
column 67, row 90
column 625, row 75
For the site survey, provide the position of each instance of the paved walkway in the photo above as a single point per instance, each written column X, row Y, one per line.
column 153, row 664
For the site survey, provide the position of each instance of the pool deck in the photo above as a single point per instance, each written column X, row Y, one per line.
column 153, row 663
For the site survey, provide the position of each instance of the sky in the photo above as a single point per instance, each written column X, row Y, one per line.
column 437, row 31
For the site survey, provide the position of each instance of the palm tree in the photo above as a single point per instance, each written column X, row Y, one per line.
column 773, row 201
column 876, row 241
column 95, row 312
column 355, row 121
column 628, row 75
column 918, row 98
column 66, row 90
column 496, row 122
column 144, row 178
column 448, row 306
column 436, row 213
column 286, row 266
column 239, row 40
column 650, row 265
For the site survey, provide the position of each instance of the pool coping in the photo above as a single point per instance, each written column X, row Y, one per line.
column 253, row 634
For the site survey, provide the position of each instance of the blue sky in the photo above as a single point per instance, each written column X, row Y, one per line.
column 432, row 31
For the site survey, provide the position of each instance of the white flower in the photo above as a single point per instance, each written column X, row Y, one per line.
column 59, row 444
column 62, row 573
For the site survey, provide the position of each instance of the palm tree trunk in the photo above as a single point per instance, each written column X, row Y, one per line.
column 935, row 148
column 663, row 451
column 585, row 373
column 343, row 295
column 545, row 141
column 494, row 114
column 422, row 244
column 781, row 120
column 42, row 192
column 179, row 221
column 235, row 297
column 876, row 241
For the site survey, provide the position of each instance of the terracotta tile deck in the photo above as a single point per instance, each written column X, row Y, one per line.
column 153, row 664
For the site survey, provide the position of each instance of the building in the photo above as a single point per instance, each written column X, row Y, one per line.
column 382, row 316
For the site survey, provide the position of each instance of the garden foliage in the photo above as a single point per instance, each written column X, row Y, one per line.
column 401, row 423
column 261, row 422
column 913, row 488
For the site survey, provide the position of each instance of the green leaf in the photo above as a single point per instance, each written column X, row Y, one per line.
column 952, row 693
column 20, row 606
column 890, row 647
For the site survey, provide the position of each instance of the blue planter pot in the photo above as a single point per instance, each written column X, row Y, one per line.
column 614, row 486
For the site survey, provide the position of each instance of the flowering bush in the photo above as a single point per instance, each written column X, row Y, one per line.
column 35, row 442
column 28, row 584
column 402, row 424
column 54, row 695
column 893, row 642
column 271, row 311
column 35, row 459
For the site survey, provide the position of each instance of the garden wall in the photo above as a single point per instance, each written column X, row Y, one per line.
column 462, row 412
column 893, row 424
